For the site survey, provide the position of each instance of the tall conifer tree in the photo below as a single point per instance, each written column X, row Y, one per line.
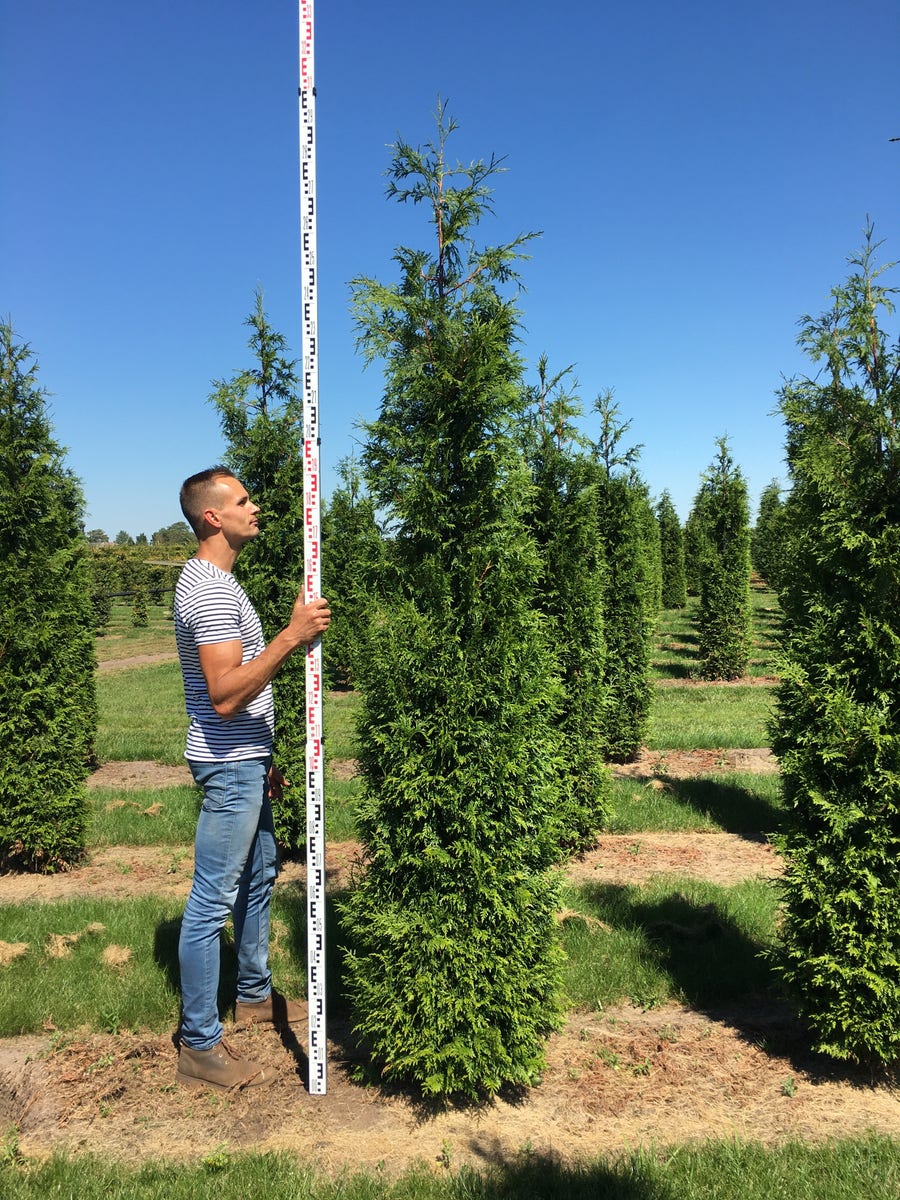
column 696, row 545
column 837, row 728
column 723, row 619
column 48, row 712
column 453, row 969
column 767, row 542
column 671, row 548
column 565, row 520
column 353, row 555
column 631, row 583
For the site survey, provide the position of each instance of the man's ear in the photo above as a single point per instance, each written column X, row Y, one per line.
column 212, row 518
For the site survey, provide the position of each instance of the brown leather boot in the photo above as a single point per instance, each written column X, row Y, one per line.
column 220, row 1067
column 274, row 1010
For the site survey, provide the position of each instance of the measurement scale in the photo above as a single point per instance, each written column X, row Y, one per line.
column 315, row 792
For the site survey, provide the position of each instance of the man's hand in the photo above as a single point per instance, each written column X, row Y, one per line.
column 277, row 784
column 308, row 621
column 233, row 684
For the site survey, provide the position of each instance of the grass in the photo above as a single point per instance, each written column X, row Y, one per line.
column 142, row 715
column 638, row 944
column 340, row 711
column 122, row 640
column 852, row 1169
column 671, row 940
column 142, row 718
column 709, row 717
column 736, row 803
column 168, row 816
column 79, row 990
column 150, row 817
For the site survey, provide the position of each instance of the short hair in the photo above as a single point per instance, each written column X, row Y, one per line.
column 198, row 493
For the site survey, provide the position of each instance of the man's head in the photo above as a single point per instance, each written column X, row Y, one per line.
column 215, row 500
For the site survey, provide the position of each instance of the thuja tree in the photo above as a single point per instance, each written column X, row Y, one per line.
column 837, row 725
column 48, row 712
column 262, row 420
column 453, row 968
column 723, row 618
column 565, row 522
column 631, row 583
column 671, row 549
column 696, row 545
column 767, row 541
column 352, row 563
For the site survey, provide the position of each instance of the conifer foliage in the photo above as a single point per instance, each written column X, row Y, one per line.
column 723, row 619
column 630, row 544
column 565, row 519
column 671, row 549
column 453, row 968
column 696, row 545
column 262, row 420
column 837, row 727
column 48, row 714
column 352, row 560
column 768, row 540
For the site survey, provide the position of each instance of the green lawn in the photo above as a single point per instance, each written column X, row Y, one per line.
column 709, row 716
column 142, row 714
column 734, row 802
column 122, row 640
column 866, row 1168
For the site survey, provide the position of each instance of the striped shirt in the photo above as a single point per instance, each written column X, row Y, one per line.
column 211, row 606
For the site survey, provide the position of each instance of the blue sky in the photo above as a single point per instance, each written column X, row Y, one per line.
column 699, row 172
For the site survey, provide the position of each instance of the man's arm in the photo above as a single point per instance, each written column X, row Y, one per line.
column 232, row 685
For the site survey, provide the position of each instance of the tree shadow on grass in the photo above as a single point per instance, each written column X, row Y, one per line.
column 707, row 957
column 736, row 809
column 675, row 670
column 723, row 972
column 544, row 1177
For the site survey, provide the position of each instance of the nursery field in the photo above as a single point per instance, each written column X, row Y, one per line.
column 678, row 1072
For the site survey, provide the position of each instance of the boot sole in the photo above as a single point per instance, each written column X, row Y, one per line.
column 194, row 1081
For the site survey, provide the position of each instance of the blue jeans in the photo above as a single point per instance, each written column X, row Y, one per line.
column 235, row 864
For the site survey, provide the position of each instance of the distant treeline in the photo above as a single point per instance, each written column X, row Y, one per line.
column 138, row 574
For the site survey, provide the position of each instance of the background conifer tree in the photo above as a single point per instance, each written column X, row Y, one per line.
column 48, row 713
column 453, row 969
column 837, row 727
column 696, row 545
column 140, row 613
column 262, row 420
column 631, row 583
column 723, row 619
column 353, row 556
column 671, row 549
column 768, row 539
column 565, row 522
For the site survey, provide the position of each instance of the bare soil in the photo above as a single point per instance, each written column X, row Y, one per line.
column 614, row 1080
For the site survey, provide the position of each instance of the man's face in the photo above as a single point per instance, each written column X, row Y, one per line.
column 235, row 511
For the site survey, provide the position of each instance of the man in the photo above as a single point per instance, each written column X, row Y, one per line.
column 228, row 670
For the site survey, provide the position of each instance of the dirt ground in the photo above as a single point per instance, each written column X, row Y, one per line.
column 614, row 1080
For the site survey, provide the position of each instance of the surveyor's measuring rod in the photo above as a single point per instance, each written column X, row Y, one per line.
column 315, row 793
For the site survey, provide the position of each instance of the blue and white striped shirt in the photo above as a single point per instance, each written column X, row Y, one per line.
column 211, row 606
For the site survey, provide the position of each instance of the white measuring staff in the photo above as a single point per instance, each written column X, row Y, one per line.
column 315, row 792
